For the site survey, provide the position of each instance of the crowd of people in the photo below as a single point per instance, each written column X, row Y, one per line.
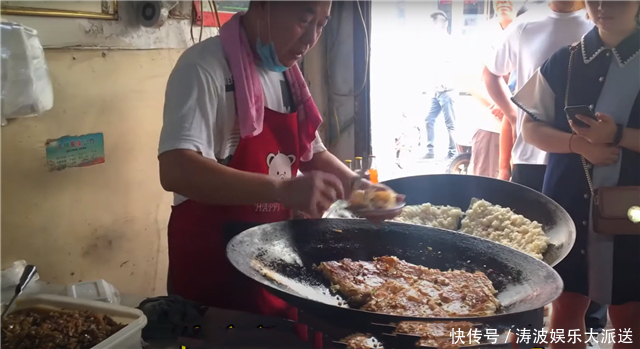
column 567, row 54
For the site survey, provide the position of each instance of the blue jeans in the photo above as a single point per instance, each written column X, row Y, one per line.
column 441, row 102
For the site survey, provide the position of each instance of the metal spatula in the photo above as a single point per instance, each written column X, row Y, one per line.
column 27, row 275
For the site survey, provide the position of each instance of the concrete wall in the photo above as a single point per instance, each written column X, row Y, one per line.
column 109, row 221
column 125, row 33
column 105, row 221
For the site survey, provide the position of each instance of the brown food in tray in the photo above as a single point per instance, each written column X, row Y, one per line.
column 391, row 286
column 50, row 329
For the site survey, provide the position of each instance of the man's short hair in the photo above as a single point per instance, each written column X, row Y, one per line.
column 437, row 14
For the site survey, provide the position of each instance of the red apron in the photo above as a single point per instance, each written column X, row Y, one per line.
column 198, row 233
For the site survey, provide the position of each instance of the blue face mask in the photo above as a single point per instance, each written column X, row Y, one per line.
column 269, row 57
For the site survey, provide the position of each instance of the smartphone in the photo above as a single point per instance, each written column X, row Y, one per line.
column 584, row 110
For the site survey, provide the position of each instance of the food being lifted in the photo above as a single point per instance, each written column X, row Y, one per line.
column 46, row 329
column 443, row 217
column 374, row 198
column 502, row 225
column 391, row 286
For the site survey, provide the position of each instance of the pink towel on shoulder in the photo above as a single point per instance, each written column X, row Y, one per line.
column 248, row 89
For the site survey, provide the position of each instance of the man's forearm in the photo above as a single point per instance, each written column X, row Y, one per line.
column 191, row 175
column 500, row 94
column 326, row 162
column 631, row 139
column 506, row 145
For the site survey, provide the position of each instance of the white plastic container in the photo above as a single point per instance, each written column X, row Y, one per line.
column 130, row 337
column 98, row 290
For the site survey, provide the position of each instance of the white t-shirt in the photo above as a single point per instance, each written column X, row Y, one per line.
column 199, row 106
column 527, row 43
column 442, row 59
column 484, row 42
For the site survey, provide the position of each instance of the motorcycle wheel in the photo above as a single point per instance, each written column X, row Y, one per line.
column 402, row 156
column 459, row 164
column 411, row 140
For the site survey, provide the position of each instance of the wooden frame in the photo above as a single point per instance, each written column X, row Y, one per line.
column 361, row 72
column 109, row 11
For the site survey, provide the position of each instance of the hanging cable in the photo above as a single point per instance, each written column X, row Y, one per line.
column 215, row 11
column 193, row 40
column 202, row 21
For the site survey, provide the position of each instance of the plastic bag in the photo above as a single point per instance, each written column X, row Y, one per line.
column 26, row 84
column 11, row 276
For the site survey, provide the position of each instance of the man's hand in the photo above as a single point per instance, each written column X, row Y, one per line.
column 601, row 131
column 597, row 154
column 311, row 194
column 496, row 111
column 504, row 174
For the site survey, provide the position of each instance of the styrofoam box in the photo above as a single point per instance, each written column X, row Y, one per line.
column 98, row 290
column 130, row 337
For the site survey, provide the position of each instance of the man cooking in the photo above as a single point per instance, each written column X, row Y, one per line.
column 239, row 123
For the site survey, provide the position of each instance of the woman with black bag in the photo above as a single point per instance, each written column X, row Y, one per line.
column 583, row 108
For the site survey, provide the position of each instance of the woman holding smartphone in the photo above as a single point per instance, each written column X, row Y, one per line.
column 601, row 72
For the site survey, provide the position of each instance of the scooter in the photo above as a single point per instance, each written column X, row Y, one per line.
column 460, row 163
column 407, row 142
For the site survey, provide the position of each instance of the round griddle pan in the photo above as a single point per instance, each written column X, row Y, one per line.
column 281, row 257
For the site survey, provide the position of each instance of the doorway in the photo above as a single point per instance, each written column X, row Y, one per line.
column 404, row 62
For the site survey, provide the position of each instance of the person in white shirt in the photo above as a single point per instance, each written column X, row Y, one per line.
column 527, row 43
column 441, row 89
column 485, row 150
column 239, row 124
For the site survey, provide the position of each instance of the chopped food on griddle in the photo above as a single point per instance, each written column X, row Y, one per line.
column 502, row 225
column 444, row 217
column 46, row 329
column 391, row 286
column 439, row 334
column 356, row 280
column 482, row 219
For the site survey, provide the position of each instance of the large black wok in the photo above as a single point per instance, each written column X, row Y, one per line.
column 458, row 190
column 287, row 251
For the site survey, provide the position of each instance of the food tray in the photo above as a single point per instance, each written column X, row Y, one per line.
column 130, row 337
